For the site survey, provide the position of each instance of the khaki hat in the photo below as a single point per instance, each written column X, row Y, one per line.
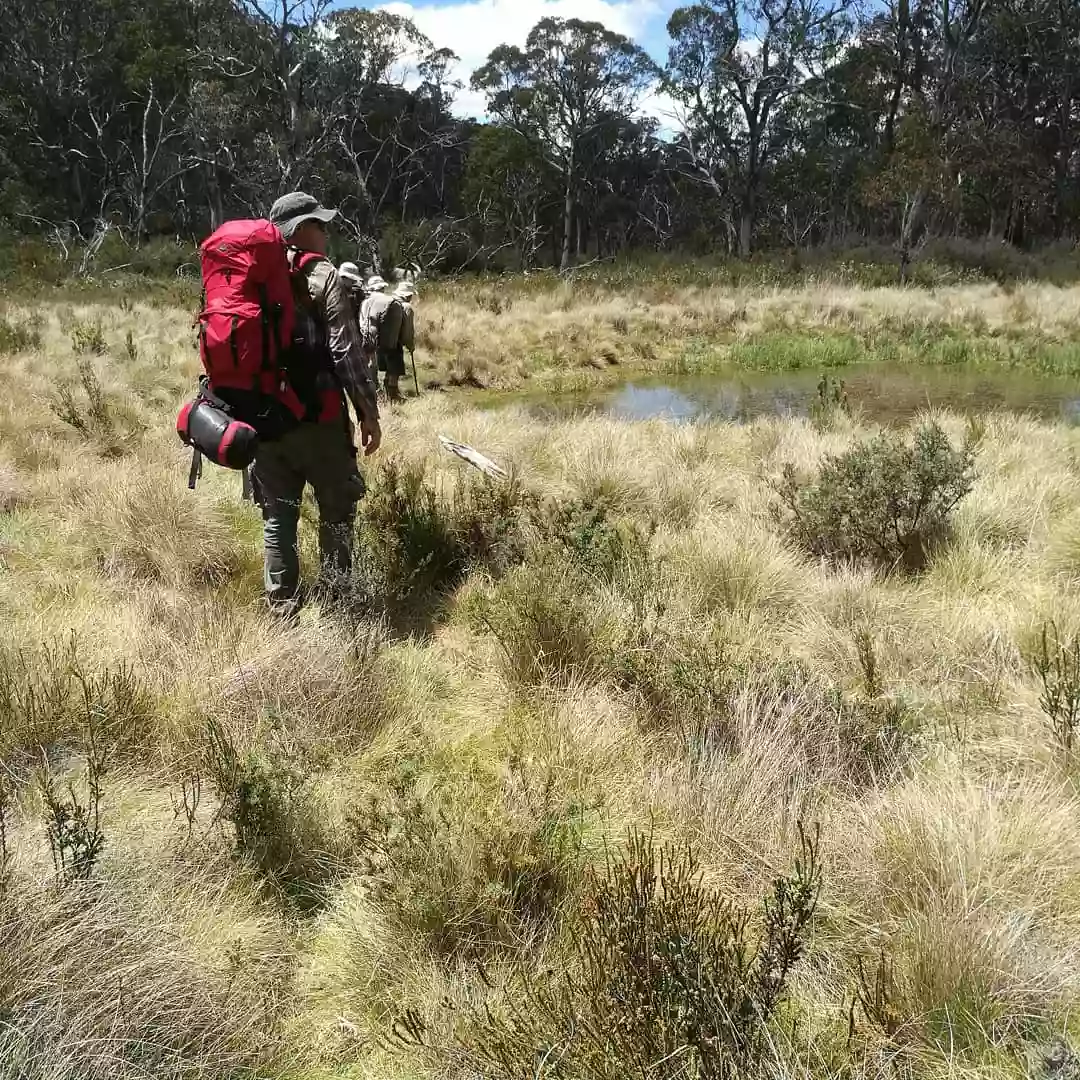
column 376, row 283
column 351, row 273
column 292, row 210
column 404, row 291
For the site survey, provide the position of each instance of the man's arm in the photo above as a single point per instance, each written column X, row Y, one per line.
column 343, row 336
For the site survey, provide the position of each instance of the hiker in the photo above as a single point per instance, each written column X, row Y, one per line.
column 405, row 294
column 380, row 318
column 320, row 450
column 350, row 276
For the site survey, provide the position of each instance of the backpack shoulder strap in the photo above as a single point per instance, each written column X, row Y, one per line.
column 300, row 261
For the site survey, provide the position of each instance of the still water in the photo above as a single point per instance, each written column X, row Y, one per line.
column 881, row 394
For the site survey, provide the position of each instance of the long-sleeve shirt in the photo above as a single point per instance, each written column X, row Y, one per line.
column 333, row 306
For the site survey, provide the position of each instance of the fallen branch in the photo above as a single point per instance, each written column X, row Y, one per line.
column 474, row 458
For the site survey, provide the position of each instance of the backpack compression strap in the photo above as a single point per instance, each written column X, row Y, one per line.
column 196, row 468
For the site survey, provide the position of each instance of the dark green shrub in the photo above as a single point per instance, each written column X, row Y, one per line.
column 408, row 535
column 489, row 518
column 73, row 818
column 682, row 683
column 416, row 544
column 830, row 403
column 853, row 739
column 585, row 530
column 692, row 686
column 47, row 698
column 665, row 979
column 883, row 502
column 96, row 419
column 73, row 823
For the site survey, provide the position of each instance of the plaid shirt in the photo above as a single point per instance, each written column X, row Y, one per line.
column 333, row 305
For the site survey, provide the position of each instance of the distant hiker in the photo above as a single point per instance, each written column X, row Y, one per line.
column 405, row 294
column 326, row 364
column 380, row 319
column 351, row 278
column 351, row 273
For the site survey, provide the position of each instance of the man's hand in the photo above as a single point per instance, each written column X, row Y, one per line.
column 370, row 436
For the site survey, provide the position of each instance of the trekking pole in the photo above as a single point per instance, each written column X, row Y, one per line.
column 416, row 382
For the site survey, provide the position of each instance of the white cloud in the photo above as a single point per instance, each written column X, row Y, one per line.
column 472, row 28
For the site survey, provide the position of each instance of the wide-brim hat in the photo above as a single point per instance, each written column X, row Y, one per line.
column 376, row 283
column 404, row 291
column 351, row 273
column 292, row 210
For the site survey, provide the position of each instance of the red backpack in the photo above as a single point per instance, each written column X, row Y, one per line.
column 246, row 325
column 245, row 333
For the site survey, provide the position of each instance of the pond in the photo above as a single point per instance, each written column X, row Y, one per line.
column 882, row 394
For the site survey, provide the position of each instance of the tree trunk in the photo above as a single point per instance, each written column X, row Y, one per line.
column 568, row 215
column 903, row 21
column 213, row 199
column 1063, row 159
column 746, row 227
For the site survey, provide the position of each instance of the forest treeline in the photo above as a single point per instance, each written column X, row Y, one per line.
column 790, row 123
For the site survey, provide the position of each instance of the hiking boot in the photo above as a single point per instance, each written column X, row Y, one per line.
column 285, row 608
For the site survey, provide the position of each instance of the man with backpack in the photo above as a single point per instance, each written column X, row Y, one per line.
column 320, row 450
column 353, row 283
column 405, row 295
column 380, row 318
column 280, row 352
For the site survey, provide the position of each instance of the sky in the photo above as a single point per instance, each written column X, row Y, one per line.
column 472, row 28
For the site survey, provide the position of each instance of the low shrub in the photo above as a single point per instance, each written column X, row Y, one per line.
column 1057, row 664
column 857, row 740
column 73, row 818
column 694, row 685
column 416, row 543
column 47, row 698
column 587, row 532
column 682, row 683
column 267, row 795
column 830, row 403
column 93, row 420
column 884, row 502
column 89, row 337
column 549, row 624
column 469, row 888
column 664, row 979
column 490, row 521
column 19, row 335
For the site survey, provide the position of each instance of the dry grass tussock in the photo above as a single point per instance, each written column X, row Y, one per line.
column 235, row 847
column 575, row 334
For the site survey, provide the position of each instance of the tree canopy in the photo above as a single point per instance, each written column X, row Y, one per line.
column 781, row 122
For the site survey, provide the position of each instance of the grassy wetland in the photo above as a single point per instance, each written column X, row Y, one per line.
column 689, row 750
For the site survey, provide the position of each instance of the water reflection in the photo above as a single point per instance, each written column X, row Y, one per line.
column 879, row 394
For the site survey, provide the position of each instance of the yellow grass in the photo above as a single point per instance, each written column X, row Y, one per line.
column 573, row 334
column 178, row 958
